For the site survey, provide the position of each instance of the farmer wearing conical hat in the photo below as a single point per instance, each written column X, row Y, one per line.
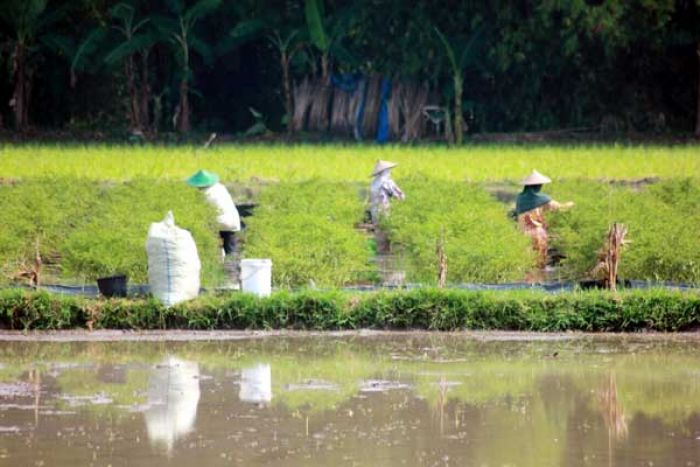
column 218, row 196
column 530, row 206
column 382, row 189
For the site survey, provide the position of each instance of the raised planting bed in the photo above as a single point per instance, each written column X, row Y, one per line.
column 434, row 309
column 85, row 230
column 481, row 243
column 663, row 221
column 308, row 229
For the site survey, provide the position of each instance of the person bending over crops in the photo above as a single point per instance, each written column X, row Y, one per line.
column 529, row 209
column 218, row 196
column 382, row 189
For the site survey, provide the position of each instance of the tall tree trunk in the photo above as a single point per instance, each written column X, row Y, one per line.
column 459, row 119
column 183, row 121
column 134, row 112
column 288, row 99
column 145, row 94
column 697, row 113
column 20, row 95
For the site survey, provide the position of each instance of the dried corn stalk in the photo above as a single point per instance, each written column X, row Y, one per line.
column 31, row 272
column 319, row 117
column 609, row 255
column 412, row 100
column 372, row 104
column 303, row 94
column 341, row 118
column 442, row 260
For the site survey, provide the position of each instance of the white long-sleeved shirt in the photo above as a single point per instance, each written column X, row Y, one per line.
column 219, row 197
column 382, row 189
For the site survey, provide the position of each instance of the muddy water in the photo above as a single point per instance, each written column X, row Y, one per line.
column 375, row 401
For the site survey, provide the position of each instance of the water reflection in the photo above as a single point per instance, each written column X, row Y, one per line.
column 256, row 384
column 408, row 400
column 612, row 410
column 173, row 396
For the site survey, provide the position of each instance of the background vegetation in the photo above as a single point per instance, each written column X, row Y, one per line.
column 108, row 66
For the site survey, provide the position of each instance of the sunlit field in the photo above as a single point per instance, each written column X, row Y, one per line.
column 348, row 163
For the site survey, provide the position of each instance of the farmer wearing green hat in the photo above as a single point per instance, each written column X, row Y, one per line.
column 530, row 206
column 218, row 196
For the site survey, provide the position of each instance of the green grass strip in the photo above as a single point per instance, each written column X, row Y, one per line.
column 429, row 309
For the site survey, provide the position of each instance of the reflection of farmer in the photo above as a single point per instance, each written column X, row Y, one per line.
column 530, row 207
column 382, row 189
column 218, row 196
column 173, row 396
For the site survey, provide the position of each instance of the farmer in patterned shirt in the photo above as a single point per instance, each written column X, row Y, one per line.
column 530, row 206
column 382, row 189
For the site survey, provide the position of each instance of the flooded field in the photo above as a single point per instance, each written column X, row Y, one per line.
column 377, row 400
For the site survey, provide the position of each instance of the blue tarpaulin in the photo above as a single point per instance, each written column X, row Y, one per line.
column 383, row 123
column 356, row 82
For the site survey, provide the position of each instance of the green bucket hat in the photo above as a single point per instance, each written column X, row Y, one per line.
column 203, row 179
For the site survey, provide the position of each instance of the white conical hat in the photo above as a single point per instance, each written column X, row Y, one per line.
column 536, row 178
column 381, row 166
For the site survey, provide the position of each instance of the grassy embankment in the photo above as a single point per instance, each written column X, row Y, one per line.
column 434, row 309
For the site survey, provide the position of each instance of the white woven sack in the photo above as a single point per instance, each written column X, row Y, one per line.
column 173, row 263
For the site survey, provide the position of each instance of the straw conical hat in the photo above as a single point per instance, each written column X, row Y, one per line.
column 203, row 179
column 536, row 178
column 381, row 166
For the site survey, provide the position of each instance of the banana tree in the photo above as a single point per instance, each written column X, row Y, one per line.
column 469, row 53
column 134, row 36
column 30, row 24
column 287, row 46
column 179, row 30
column 325, row 33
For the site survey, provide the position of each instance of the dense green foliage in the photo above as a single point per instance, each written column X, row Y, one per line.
column 308, row 230
column 659, row 310
column 540, row 64
column 663, row 221
column 91, row 230
column 481, row 243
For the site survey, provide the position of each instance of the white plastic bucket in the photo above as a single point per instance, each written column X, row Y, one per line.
column 256, row 276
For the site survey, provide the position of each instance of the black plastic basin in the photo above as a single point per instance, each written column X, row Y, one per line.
column 112, row 286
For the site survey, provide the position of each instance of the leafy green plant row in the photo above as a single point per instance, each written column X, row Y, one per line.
column 435, row 309
column 90, row 229
column 481, row 243
column 308, row 229
column 663, row 221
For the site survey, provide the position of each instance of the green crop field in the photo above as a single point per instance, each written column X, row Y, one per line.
column 88, row 209
column 347, row 162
